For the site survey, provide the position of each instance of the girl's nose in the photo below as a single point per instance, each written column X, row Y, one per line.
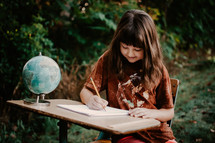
column 130, row 53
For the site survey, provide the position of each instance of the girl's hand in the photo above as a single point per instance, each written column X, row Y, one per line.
column 143, row 113
column 162, row 114
column 96, row 103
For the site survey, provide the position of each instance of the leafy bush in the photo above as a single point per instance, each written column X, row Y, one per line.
column 194, row 21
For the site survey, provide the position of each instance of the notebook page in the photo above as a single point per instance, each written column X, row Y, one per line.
column 83, row 109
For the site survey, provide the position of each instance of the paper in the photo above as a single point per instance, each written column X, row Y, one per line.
column 83, row 109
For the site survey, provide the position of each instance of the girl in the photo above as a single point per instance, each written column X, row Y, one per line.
column 134, row 77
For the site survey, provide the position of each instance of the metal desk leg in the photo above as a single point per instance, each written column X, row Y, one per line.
column 62, row 131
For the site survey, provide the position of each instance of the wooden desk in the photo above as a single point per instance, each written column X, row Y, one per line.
column 131, row 124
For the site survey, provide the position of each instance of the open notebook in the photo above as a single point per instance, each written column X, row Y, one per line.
column 83, row 109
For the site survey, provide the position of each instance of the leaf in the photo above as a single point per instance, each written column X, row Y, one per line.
column 107, row 21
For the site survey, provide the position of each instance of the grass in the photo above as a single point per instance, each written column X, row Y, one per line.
column 194, row 119
column 78, row 134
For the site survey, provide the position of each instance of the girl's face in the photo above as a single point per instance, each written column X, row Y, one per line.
column 131, row 53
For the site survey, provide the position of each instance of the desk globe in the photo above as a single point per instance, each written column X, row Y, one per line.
column 41, row 75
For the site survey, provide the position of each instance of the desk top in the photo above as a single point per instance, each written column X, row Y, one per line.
column 112, row 124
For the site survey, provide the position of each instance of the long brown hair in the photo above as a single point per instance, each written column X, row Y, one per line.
column 137, row 28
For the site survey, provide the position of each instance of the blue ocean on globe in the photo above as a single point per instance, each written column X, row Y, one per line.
column 41, row 75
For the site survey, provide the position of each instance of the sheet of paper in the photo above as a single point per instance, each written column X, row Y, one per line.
column 83, row 109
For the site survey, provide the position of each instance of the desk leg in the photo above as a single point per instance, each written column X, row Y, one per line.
column 62, row 131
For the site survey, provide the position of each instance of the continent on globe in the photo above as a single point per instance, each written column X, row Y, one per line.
column 41, row 75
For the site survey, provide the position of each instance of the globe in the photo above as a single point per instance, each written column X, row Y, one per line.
column 41, row 74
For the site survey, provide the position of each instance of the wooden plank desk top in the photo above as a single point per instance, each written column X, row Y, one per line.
column 112, row 124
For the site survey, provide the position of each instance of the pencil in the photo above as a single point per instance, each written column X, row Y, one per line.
column 96, row 90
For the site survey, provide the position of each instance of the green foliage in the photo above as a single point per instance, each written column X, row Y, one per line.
column 32, row 131
column 32, row 39
column 194, row 21
column 81, row 135
column 169, row 42
column 16, row 133
column 87, row 27
column 25, row 43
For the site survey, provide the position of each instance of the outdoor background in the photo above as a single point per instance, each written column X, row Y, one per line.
column 76, row 32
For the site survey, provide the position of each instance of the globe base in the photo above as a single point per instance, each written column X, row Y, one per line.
column 36, row 102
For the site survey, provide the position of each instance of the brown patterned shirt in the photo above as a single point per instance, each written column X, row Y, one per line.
column 130, row 93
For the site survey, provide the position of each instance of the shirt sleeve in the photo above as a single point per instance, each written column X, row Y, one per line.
column 164, row 92
column 99, row 75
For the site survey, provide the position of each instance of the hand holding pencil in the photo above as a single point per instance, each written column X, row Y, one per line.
column 96, row 102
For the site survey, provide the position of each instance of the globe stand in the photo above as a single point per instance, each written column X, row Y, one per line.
column 37, row 102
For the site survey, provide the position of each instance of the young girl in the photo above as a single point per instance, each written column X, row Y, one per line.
column 134, row 77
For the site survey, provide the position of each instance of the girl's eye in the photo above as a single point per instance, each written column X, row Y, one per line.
column 139, row 49
column 124, row 47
